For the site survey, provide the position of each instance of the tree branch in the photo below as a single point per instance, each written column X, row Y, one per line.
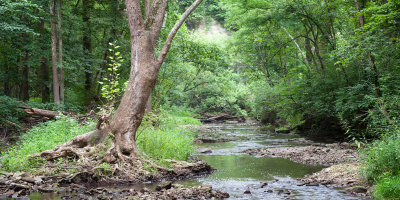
column 147, row 5
column 156, row 18
column 135, row 15
column 174, row 30
column 298, row 47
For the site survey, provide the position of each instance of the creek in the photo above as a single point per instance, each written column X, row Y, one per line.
column 237, row 172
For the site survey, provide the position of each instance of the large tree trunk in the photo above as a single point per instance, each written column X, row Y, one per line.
column 56, row 86
column 144, row 70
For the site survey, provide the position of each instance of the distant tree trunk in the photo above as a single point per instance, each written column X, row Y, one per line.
column 56, row 86
column 317, row 50
column 371, row 60
column 60, row 52
column 87, row 42
column 7, row 89
column 44, row 68
column 309, row 53
column 44, row 75
column 25, row 78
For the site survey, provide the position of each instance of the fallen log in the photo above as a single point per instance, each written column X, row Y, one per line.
column 41, row 112
column 221, row 118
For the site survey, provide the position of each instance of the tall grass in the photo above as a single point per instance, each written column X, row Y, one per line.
column 42, row 137
column 168, row 140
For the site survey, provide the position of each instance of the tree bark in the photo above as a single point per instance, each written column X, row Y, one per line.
column 25, row 78
column 56, row 86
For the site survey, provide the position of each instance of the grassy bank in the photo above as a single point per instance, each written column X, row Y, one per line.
column 159, row 137
column 42, row 137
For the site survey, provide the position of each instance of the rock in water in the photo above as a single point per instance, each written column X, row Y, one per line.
column 205, row 150
column 164, row 185
column 357, row 189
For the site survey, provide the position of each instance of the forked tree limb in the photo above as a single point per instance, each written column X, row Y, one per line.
column 175, row 29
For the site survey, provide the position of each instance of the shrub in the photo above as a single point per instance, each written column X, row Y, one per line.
column 9, row 110
column 42, row 137
column 382, row 159
column 168, row 140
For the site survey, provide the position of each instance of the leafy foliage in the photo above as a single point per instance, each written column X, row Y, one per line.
column 9, row 110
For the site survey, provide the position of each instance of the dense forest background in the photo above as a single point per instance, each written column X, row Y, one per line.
column 324, row 65
column 316, row 66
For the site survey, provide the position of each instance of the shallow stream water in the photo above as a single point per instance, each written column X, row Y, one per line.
column 237, row 172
